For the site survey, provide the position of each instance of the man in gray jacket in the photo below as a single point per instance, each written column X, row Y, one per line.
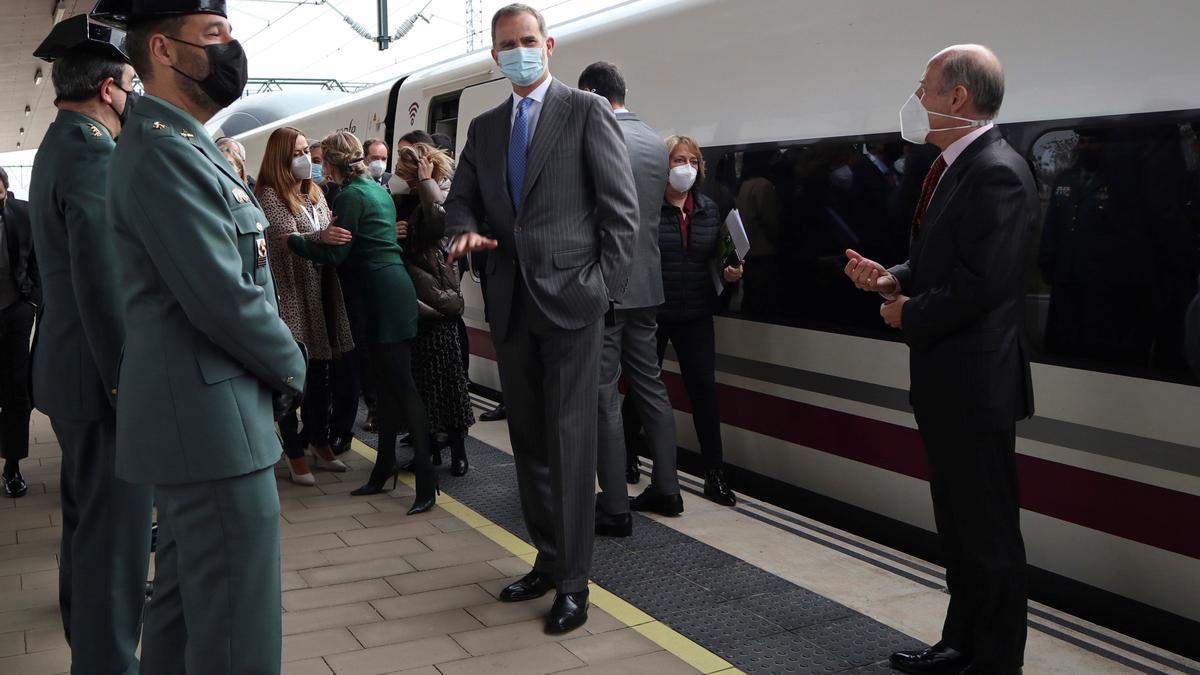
column 549, row 174
column 630, row 339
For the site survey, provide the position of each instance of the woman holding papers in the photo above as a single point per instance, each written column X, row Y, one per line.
column 692, row 240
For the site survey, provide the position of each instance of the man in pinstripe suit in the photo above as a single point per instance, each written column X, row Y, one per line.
column 548, row 171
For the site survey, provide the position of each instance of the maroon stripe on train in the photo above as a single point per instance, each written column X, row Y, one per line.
column 1152, row 515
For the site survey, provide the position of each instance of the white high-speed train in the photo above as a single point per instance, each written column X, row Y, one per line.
column 812, row 386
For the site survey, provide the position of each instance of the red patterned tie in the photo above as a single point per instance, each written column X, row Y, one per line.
column 927, row 188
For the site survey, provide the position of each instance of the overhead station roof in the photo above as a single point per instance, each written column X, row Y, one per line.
column 23, row 26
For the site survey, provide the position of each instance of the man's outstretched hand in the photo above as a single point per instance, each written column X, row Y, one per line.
column 869, row 275
column 470, row 242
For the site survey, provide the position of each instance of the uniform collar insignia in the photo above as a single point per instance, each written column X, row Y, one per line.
column 159, row 125
column 94, row 130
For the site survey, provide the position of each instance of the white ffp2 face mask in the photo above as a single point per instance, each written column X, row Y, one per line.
column 397, row 185
column 377, row 168
column 682, row 177
column 914, row 121
column 302, row 167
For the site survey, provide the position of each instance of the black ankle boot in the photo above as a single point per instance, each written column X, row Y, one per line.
column 458, row 456
column 427, row 492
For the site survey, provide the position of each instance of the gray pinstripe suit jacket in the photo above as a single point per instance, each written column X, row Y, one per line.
column 573, row 240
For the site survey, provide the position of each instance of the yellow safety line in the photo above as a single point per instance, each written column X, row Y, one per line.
column 696, row 656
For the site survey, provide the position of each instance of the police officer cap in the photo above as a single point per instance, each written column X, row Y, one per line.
column 128, row 12
column 82, row 34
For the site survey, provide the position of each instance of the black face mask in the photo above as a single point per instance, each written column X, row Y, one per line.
column 228, row 71
column 131, row 100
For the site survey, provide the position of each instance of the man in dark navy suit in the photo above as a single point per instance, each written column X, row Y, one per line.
column 958, row 300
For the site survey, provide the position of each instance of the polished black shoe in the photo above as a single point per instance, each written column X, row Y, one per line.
column 664, row 505
column 426, row 497
column 458, row 467
column 608, row 525
column 568, row 613
column 369, row 425
column 632, row 473
column 717, row 490
column 14, row 485
column 529, row 587
column 376, row 488
column 494, row 415
column 341, row 444
column 935, row 659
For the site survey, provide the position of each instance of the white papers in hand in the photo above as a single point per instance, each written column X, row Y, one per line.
column 737, row 232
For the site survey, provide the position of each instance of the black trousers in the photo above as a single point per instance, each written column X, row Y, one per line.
column 696, row 349
column 973, row 481
column 16, row 325
column 363, row 383
column 314, row 412
column 399, row 401
column 345, row 388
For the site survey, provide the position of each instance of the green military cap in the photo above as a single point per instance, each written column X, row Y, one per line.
column 82, row 34
column 129, row 12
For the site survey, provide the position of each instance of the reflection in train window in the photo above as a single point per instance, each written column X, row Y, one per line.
column 1114, row 262
column 803, row 205
column 1117, row 254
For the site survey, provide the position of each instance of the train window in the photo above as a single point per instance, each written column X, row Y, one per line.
column 803, row 205
column 1117, row 253
column 443, row 115
column 1114, row 261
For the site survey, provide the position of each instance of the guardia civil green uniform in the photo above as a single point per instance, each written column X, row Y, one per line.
column 205, row 352
column 106, row 521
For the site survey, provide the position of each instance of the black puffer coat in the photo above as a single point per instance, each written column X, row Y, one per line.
column 688, row 274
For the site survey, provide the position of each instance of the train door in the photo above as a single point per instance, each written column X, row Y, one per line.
column 475, row 100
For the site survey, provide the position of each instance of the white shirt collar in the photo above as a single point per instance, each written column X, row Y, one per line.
column 622, row 109
column 957, row 147
column 537, row 95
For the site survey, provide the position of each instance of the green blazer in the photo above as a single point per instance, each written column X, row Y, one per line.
column 205, row 347
column 374, row 257
column 80, row 327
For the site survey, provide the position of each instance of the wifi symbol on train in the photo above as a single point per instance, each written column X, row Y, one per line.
column 412, row 113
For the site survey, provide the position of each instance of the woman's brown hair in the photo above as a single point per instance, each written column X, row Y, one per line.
column 407, row 160
column 276, row 171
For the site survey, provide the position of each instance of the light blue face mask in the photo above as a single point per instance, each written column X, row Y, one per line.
column 523, row 65
column 318, row 173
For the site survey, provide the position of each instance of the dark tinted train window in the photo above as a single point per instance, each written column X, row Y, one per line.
column 803, row 205
column 1113, row 264
column 1117, row 252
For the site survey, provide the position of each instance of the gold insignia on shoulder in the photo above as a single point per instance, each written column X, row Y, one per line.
column 159, row 125
column 187, row 134
column 95, row 132
column 240, row 195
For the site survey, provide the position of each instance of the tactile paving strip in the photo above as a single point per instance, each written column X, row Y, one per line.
column 757, row 621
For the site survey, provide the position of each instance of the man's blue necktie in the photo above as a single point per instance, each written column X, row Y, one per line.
column 518, row 152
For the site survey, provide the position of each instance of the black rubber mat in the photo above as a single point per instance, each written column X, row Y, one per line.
column 757, row 621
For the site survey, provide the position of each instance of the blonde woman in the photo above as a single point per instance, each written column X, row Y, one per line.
column 437, row 358
column 365, row 239
column 310, row 298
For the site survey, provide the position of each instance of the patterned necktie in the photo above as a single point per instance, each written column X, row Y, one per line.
column 518, row 152
column 927, row 188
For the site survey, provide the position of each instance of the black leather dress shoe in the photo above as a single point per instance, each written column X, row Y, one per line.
column 935, row 659
column 654, row 502
column 568, row 613
column 14, row 485
column 529, row 587
column 717, row 490
column 494, row 415
column 608, row 525
column 632, row 473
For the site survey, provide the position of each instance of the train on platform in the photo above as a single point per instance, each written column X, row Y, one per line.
column 801, row 100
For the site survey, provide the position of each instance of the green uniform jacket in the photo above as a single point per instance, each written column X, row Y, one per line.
column 204, row 344
column 365, row 209
column 81, row 325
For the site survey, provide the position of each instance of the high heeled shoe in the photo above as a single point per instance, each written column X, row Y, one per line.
column 304, row 478
column 423, row 504
column 376, row 488
column 330, row 463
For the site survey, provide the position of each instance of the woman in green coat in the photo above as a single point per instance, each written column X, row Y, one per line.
column 365, row 210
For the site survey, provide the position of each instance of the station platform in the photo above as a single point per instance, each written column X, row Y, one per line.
column 369, row 590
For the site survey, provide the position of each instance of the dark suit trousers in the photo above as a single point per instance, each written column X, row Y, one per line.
column 216, row 586
column 314, row 412
column 105, row 545
column 16, row 325
column 695, row 349
column 629, row 350
column 551, row 377
column 973, row 481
